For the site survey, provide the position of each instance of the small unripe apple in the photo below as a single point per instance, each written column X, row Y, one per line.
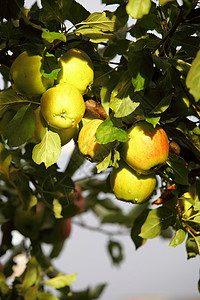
column 147, row 147
column 87, row 142
column 76, row 69
column 28, row 222
column 62, row 106
column 26, row 77
column 65, row 134
column 128, row 185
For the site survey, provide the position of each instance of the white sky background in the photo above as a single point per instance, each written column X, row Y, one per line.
column 154, row 270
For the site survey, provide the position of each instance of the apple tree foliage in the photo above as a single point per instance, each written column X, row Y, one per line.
column 146, row 61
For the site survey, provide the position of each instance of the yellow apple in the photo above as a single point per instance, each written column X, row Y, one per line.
column 87, row 142
column 65, row 134
column 26, row 77
column 128, row 185
column 76, row 69
column 147, row 147
column 62, row 106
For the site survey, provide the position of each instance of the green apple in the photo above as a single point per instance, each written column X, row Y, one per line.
column 28, row 221
column 26, row 77
column 62, row 106
column 147, row 147
column 65, row 134
column 128, row 185
column 76, row 69
column 87, row 142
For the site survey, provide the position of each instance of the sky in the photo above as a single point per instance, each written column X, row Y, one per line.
column 155, row 270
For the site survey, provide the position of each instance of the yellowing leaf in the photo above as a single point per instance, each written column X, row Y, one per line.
column 48, row 150
column 193, row 78
column 61, row 280
column 57, row 209
column 138, row 8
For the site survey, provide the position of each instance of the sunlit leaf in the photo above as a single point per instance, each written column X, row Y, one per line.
column 107, row 132
column 9, row 97
column 104, row 164
column 61, row 281
column 51, row 36
column 57, row 209
column 48, row 150
column 158, row 219
column 179, row 238
column 138, row 8
column 193, row 78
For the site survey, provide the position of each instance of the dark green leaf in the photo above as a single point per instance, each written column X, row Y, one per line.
column 115, row 251
column 193, row 78
column 179, row 168
column 21, row 128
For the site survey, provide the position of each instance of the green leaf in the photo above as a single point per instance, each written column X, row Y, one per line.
column 5, row 159
column 107, row 133
column 61, row 281
column 46, row 296
column 50, row 67
column 178, row 166
column 153, row 120
column 116, row 252
column 179, row 238
column 193, row 78
column 162, row 105
column 138, row 8
column 52, row 36
column 103, row 165
column 158, row 219
column 21, row 128
column 32, row 274
column 48, row 150
column 9, row 97
column 57, row 209
column 98, row 27
column 140, row 66
column 122, row 97
column 163, row 2
column 97, row 291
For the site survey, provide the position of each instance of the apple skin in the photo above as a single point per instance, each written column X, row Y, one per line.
column 147, row 147
column 26, row 77
column 28, row 222
column 76, row 69
column 87, row 144
column 59, row 233
column 128, row 185
column 62, row 106
column 65, row 134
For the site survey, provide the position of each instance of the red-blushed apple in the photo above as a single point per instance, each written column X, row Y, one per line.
column 59, row 232
column 76, row 69
column 62, row 106
column 147, row 147
column 128, row 185
column 87, row 142
column 26, row 77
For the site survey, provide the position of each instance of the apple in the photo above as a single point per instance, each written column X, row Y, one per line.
column 60, row 231
column 76, row 69
column 128, row 185
column 28, row 221
column 26, row 77
column 87, row 142
column 147, row 147
column 65, row 134
column 62, row 106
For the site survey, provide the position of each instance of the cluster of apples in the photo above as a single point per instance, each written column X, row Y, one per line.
column 61, row 102
column 145, row 151
column 62, row 107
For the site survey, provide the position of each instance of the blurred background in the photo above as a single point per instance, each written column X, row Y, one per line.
column 155, row 271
